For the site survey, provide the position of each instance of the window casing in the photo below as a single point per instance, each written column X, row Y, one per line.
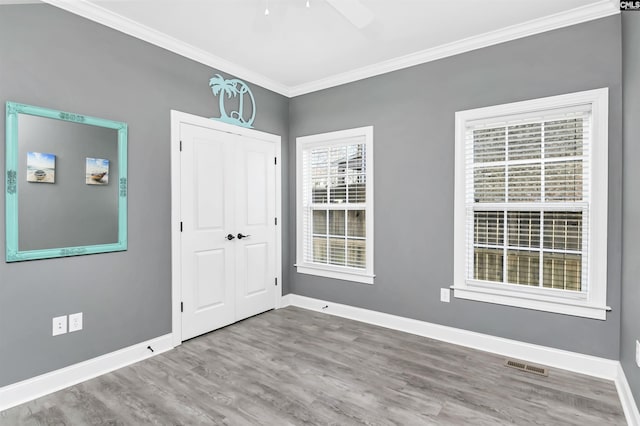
column 334, row 177
column 531, row 204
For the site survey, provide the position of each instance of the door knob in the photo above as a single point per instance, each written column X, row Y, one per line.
column 241, row 236
column 230, row 237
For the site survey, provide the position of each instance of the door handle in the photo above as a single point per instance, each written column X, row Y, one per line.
column 230, row 237
column 241, row 236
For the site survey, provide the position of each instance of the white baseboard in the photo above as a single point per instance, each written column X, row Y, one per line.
column 286, row 300
column 626, row 398
column 27, row 390
column 572, row 361
column 557, row 358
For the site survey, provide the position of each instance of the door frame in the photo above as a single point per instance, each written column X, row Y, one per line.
column 177, row 118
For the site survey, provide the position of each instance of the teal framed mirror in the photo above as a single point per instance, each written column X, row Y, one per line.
column 66, row 184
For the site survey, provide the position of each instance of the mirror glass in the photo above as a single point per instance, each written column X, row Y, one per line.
column 66, row 184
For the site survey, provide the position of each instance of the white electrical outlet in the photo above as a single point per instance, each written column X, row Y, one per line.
column 75, row 322
column 444, row 295
column 637, row 353
column 59, row 325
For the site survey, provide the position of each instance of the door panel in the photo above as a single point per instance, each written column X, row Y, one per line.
column 257, row 275
column 210, row 279
column 210, row 202
column 208, row 258
column 256, row 191
column 255, row 213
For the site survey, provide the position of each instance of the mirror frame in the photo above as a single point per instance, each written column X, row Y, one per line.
column 13, row 253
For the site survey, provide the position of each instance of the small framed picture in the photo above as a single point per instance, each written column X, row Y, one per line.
column 97, row 171
column 41, row 167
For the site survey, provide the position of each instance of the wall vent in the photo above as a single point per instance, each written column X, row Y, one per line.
column 523, row 366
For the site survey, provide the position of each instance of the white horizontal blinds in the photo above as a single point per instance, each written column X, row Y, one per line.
column 527, row 197
column 564, row 250
column 488, row 245
column 334, row 204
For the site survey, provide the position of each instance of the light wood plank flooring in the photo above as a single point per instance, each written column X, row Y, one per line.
column 294, row 367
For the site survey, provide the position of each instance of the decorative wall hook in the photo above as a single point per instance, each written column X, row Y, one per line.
column 233, row 88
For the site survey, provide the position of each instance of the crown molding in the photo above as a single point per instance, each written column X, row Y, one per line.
column 578, row 15
column 130, row 27
column 103, row 16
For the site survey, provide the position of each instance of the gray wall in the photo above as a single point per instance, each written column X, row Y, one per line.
column 630, row 330
column 412, row 111
column 54, row 59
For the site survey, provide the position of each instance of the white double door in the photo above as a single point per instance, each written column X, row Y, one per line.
column 228, row 246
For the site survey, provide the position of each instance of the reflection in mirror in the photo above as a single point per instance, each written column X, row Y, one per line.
column 66, row 183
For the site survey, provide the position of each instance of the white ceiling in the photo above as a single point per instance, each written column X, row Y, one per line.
column 297, row 50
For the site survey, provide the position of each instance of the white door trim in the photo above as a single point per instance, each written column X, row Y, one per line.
column 177, row 118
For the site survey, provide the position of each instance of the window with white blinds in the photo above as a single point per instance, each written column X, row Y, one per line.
column 334, row 211
column 530, row 214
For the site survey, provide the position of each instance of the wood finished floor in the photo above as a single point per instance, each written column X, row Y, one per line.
column 294, row 367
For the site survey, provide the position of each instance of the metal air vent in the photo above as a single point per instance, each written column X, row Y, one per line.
column 523, row 366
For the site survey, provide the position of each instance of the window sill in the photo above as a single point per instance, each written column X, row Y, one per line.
column 530, row 301
column 340, row 274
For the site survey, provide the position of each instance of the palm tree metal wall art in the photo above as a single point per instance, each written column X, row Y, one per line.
column 232, row 88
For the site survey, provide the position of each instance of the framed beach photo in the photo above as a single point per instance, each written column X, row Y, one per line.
column 97, row 171
column 41, row 167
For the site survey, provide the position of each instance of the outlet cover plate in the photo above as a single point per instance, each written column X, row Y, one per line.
column 445, row 294
column 638, row 353
column 75, row 322
column 59, row 325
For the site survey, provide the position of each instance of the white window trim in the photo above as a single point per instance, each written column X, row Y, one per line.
column 593, row 305
column 365, row 275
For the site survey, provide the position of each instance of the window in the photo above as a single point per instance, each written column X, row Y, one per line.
column 531, row 204
column 335, row 205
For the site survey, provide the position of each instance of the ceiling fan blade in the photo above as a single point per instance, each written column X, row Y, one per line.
column 354, row 11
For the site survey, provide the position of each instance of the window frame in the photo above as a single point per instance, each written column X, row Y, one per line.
column 336, row 138
column 589, row 304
